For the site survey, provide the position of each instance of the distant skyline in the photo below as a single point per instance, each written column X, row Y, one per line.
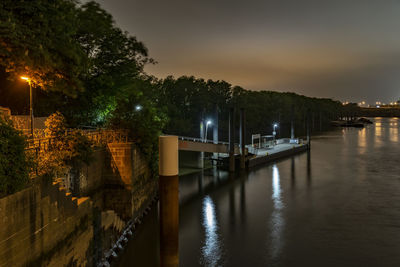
column 345, row 50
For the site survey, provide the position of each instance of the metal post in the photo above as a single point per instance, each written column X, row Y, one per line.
column 242, row 138
column 232, row 140
column 215, row 126
column 31, row 106
column 292, row 124
column 308, row 133
column 215, row 132
column 169, row 200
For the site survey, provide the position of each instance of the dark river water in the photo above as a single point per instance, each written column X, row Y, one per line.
column 337, row 206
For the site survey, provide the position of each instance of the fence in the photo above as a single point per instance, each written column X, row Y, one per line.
column 97, row 137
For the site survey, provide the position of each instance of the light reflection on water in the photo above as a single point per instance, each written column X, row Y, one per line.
column 277, row 221
column 211, row 250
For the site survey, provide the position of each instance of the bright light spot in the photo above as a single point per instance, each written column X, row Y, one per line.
column 378, row 106
column 209, row 122
column 277, row 222
column 138, row 107
column 24, row 78
column 211, row 250
column 275, row 125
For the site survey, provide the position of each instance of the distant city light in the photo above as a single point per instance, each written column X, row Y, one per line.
column 138, row 107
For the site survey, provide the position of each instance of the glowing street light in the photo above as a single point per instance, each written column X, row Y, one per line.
column 138, row 107
column 209, row 122
column 30, row 101
column 274, row 132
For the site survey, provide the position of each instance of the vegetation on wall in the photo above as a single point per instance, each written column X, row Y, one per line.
column 14, row 164
column 66, row 148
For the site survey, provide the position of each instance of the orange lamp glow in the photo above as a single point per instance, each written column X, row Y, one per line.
column 24, row 78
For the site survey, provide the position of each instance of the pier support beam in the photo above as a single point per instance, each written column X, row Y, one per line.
column 215, row 131
column 308, row 133
column 169, row 201
column 232, row 140
column 292, row 123
column 242, row 139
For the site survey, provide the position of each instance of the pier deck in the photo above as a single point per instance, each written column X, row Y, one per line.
column 264, row 155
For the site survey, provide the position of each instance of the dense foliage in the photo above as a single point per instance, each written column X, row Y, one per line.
column 65, row 149
column 14, row 164
column 138, row 114
column 38, row 39
column 189, row 101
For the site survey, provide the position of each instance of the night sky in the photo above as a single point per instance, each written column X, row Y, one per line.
column 346, row 50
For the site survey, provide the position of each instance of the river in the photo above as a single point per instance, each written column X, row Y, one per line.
column 336, row 206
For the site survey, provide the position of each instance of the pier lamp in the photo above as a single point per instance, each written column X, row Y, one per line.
column 28, row 80
column 274, row 132
column 209, row 122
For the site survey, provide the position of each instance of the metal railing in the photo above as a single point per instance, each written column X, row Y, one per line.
column 97, row 137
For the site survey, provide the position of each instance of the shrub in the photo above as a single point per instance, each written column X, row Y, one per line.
column 66, row 148
column 14, row 165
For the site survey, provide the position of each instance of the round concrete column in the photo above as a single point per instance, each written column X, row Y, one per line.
column 169, row 200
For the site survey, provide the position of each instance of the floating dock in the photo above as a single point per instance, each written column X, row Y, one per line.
column 257, row 156
column 265, row 155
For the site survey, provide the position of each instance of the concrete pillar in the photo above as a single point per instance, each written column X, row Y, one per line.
column 232, row 140
column 169, row 200
column 242, row 139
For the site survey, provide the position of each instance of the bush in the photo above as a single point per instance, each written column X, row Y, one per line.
column 67, row 149
column 14, row 165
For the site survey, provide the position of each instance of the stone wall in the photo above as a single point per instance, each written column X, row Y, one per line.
column 40, row 221
column 47, row 225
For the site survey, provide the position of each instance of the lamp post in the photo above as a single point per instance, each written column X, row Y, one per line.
column 30, row 102
column 209, row 122
column 274, row 132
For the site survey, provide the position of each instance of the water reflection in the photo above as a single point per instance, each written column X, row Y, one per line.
column 211, row 250
column 394, row 132
column 277, row 221
column 362, row 140
column 378, row 134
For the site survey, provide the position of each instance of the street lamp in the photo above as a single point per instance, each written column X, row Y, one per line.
column 209, row 122
column 274, row 132
column 30, row 101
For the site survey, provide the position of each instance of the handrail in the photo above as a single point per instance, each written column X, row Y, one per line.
column 97, row 137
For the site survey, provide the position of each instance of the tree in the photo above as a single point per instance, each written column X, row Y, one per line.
column 14, row 164
column 115, row 60
column 37, row 39
column 138, row 114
